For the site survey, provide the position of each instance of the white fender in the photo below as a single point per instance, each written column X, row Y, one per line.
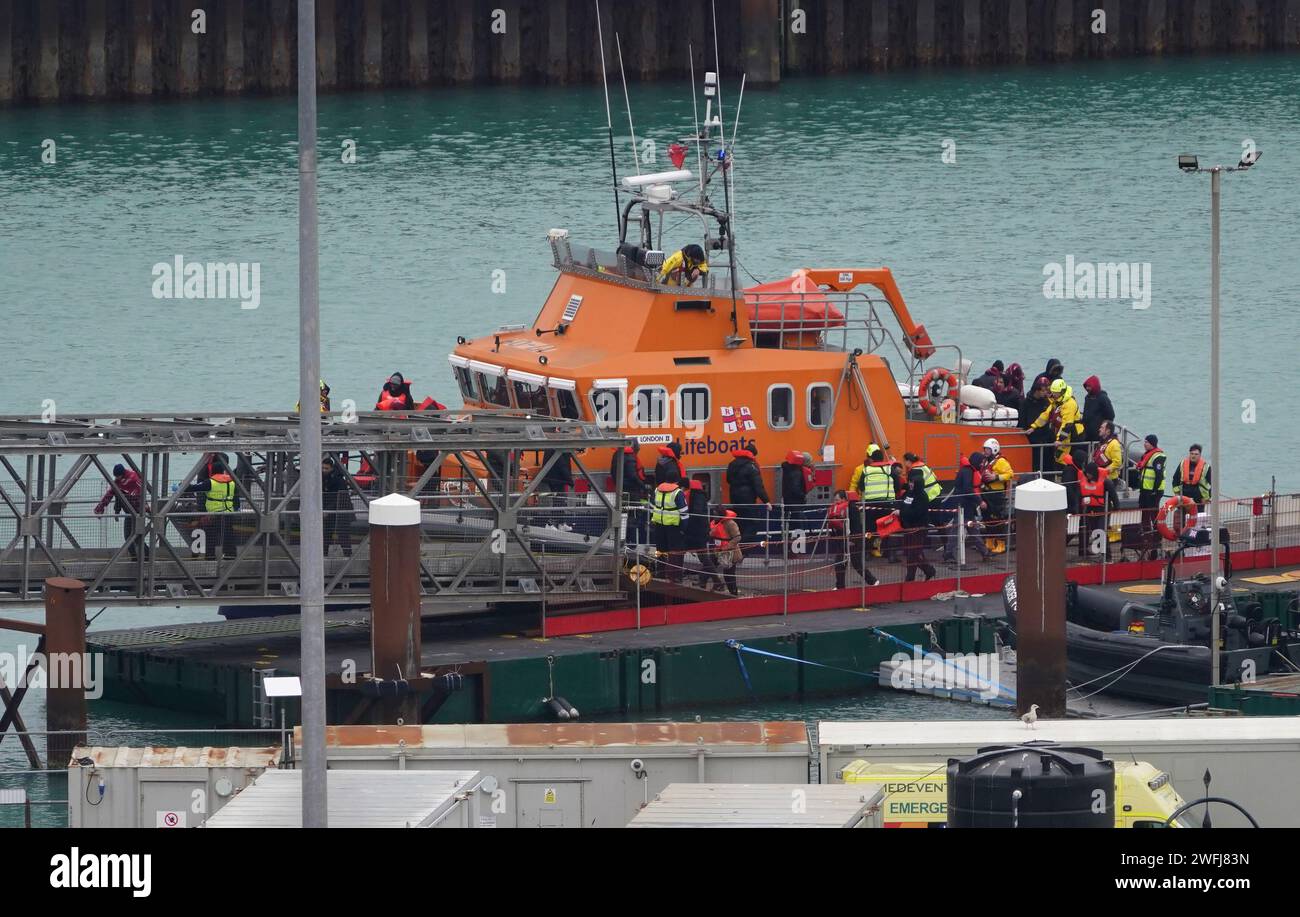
column 978, row 397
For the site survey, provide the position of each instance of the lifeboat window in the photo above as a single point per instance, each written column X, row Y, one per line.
column 466, row 383
column 532, row 397
column 780, row 407
column 693, row 404
column 494, row 389
column 566, row 404
column 820, row 401
column 608, row 408
column 650, row 406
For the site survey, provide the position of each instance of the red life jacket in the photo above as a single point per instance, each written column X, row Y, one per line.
column 1192, row 476
column 1094, row 493
column 839, row 511
column 1142, row 463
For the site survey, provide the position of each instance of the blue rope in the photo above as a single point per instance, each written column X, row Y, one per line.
column 740, row 647
column 744, row 672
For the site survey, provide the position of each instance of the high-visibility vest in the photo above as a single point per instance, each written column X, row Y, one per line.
column 1148, row 469
column 932, row 488
column 665, row 510
column 220, row 497
column 1195, row 477
column 1093, row 494
column 877, row 483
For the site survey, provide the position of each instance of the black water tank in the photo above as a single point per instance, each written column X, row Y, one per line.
column 1059, row 787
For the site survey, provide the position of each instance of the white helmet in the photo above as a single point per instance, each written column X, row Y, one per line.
column 991, row 445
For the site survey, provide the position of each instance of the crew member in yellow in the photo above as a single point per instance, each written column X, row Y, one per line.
column 997, row 474
column 324, row 399
column 684, row 267
column 873, row 481
column 668, row 515
column 220, row 503
column 1062, row 413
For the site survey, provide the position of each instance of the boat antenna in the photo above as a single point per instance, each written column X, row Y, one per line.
column 609, row 124
column 695, row 108
column 725, row 165
column 627, row 102
column 731, row 157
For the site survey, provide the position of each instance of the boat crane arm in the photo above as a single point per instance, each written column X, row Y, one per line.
column 844, row 279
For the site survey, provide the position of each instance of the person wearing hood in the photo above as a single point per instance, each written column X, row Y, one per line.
column 964, row 503
column 1013, row 387
column 794, row 481
column 1061, row 417
column 914, row 515
column 1096, row 408
column 726, row 555
column 1094, row 495
column 668, row 467
column 745, row 484
column 1031, row 408
column 634, row 490
column 396, row 395
column 1055, row 370
column 127, row 496
column 992, row 379
column 336, row 500
column 695, row 534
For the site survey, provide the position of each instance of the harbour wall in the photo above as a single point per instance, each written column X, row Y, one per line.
column 54, row 50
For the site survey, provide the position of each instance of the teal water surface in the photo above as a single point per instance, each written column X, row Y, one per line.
column 450, row 186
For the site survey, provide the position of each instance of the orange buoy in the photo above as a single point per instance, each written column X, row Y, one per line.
column 1187, row 505
column 923, row 390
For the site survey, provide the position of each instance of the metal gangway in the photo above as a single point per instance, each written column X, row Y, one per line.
column 491, row 531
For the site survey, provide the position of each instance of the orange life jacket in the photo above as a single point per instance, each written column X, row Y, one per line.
column 1192, row 476
column 1093, row 493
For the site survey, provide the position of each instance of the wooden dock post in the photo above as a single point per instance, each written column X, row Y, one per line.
column 66, row 668
column 395, row 602
column 1040, row 598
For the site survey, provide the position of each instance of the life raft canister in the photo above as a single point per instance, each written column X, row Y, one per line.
column 1187, row 505
column 927, row 397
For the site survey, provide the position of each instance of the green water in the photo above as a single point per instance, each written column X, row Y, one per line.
column 450, row 186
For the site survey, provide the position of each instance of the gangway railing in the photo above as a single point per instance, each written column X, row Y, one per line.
column 490, row 532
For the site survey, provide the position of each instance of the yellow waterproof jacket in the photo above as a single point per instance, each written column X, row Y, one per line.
column 1002, row 469
column 1067, row 410
column 676, row 263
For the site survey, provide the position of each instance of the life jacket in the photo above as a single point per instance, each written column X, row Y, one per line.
column 220, row 497
column 837, row 515
column 930, row 482
column 1093, row 494
column 1148, row 470
column 999, row 466
column 665, row 509
column 1195, row 477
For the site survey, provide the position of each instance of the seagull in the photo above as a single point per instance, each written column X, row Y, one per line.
column 1030, row 718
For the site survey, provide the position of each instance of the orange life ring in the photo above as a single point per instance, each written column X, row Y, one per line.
column 922, row 390
column 1188, row 506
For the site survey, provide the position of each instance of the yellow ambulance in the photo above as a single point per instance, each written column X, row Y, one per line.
column 916, row 795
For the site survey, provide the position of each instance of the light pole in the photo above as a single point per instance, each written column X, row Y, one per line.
column 311, row 587
column 1190, row 164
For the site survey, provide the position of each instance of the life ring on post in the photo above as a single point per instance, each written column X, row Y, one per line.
column 927, row 399
column 1187, row 505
